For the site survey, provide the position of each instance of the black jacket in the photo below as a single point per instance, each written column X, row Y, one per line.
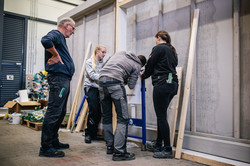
column 161, row 62
column 56, row 38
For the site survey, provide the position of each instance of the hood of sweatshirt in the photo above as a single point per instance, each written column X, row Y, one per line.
column 132, row 56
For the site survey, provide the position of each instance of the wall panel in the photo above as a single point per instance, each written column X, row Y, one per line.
column 214, row 68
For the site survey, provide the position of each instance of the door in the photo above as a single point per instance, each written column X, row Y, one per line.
column 13, row 51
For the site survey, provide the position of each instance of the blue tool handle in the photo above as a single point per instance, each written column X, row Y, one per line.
column 80, row 108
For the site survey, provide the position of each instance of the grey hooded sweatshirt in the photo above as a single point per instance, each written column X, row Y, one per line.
column 122, row 66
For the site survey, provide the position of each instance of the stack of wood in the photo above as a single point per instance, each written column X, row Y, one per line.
column 82, row 120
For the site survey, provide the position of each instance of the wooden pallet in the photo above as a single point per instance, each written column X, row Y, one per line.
column 33, row 125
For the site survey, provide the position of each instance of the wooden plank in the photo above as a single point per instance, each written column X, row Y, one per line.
column 129, row 3
column 203, row 160
column 186, row 95
column 193, row 89
column 79, row 85
column 236, row 71
column 114, row 118
column 173, row 108
column 82, row 116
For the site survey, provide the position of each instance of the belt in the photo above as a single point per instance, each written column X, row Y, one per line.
column 107, row 81
column 104, row 78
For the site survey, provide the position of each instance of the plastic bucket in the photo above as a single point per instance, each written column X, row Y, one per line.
column 14, row 118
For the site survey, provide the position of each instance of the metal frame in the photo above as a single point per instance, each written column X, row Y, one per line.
column 141, row 122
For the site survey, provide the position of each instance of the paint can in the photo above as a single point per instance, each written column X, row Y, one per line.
column 14, row 118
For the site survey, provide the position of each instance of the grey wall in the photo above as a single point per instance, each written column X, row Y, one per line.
column 213, row 83
column 210, row 112
column 214, row 68
column 96, row 27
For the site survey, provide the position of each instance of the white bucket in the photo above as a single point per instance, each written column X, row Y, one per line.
column 14, row 118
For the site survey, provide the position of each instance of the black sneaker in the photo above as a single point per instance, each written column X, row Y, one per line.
column 163, row 154
column 152, row 146
column 51, row 152
column 61, row 146
column 87, row 139
column 110, row 149
column 123, row 156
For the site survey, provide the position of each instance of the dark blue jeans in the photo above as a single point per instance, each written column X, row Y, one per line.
column 95, row 114
column 162, row 96
column 56, row 110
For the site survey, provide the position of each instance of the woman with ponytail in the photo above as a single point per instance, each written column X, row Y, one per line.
column 161, row 66
column 93, row 67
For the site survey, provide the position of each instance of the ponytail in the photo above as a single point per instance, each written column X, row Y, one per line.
column 166, row 37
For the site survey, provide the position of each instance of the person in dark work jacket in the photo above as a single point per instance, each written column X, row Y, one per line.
column 120, row 69
column 60, row 68
column 162, row 61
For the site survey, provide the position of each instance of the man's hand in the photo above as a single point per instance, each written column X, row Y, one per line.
column 142, row 71
column 55, row 59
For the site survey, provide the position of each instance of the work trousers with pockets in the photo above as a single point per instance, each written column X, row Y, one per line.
column 95, row 114
column 162, row 96
column 58, row 96
column 114, row 91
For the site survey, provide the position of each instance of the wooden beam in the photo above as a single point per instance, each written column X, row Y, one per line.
column 86, row 8
column 193, row 91
column 203, row 160
column 173, row 108
column 82, row 117
column 129, row 3
column 78, row 89
column 236, row 71
column 114, row 118
column 186, row 95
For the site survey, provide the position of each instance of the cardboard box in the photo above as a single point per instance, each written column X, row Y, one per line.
column 43, row 102
column 18, row 106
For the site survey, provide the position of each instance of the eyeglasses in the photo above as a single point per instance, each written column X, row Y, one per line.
column 72, row 27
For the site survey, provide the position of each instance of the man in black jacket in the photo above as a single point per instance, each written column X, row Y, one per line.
column 60, row 68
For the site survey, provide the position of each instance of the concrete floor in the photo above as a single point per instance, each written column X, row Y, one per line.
column 19, row 146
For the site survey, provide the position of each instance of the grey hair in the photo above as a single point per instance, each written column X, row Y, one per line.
column 65, row 21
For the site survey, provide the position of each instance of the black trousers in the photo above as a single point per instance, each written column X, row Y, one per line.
column 95, row 114
column 162, row 96
column 58, row 96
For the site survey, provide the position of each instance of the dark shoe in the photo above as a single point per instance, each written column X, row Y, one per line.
column 123, row 156
column 61, row 146
column 163, row 154
column 87, row 139
column 51, row 152
column 110, row 149
column 152, row 146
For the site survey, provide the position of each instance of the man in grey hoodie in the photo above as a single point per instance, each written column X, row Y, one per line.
column 120, row 69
